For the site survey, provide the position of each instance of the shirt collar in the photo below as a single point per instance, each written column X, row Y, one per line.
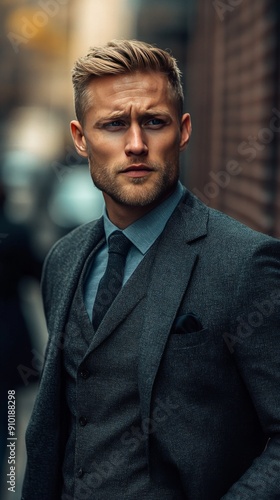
column 143, row 232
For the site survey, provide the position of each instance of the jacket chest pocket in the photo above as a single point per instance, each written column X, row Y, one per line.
column 189, row 340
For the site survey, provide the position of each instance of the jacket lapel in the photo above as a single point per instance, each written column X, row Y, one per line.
column 173, row 266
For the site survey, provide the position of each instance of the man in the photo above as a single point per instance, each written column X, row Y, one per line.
column 169, row 389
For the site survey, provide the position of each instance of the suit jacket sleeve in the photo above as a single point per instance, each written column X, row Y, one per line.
column 254, row 341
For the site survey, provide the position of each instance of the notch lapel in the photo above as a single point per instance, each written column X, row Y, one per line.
column 172, row 270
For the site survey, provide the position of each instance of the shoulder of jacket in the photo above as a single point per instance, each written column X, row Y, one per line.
column 225, row 229
column 74, row 239
column 67, row 247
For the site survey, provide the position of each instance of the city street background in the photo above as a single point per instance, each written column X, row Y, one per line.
column 229, row 55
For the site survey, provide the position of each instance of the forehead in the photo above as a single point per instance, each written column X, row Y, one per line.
column 143, row 89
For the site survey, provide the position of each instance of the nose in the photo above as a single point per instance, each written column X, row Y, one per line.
column 135, row 141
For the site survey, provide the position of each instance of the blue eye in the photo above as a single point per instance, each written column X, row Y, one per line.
column 114, row 124
column 155, row 122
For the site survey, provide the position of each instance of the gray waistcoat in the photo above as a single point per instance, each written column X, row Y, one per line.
column 105, row 455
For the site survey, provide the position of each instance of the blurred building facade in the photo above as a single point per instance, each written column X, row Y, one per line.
column 233, row 93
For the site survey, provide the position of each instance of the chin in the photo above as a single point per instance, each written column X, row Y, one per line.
column 141, row 197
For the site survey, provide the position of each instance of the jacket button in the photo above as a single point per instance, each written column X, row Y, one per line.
column 80, row 473
column 83, row 421
column 84, row 373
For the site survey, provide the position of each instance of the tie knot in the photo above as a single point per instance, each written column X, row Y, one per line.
column 118, row 243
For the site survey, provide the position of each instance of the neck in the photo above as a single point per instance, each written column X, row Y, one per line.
column 122, row 216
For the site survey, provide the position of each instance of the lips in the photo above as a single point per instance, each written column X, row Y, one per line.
column 137, row 170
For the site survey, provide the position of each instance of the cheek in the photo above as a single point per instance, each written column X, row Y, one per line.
column 169, row 149
column 169, row 143
column 106, row 150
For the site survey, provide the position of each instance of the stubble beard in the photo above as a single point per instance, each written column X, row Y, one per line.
column 164, row 183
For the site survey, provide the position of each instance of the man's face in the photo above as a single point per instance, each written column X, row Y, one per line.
column 132, row 136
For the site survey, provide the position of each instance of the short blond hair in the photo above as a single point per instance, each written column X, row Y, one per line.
column 120, row 57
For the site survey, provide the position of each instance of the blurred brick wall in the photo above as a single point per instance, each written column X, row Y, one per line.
column 232, row 69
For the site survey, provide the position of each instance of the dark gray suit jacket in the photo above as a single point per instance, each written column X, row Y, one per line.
column 210, row 398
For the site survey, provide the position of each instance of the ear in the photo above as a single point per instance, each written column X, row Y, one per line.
column 78, row 138
column 186, row 130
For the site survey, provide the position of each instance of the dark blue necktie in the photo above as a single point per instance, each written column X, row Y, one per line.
column 111, row 282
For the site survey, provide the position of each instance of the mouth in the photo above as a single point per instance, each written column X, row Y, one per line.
column 139, row 170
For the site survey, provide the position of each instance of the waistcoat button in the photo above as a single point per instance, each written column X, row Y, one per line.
column 80, row 473
column 83, row 421
column 84, row 373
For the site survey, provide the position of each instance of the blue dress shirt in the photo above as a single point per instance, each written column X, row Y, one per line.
column 142, row 234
